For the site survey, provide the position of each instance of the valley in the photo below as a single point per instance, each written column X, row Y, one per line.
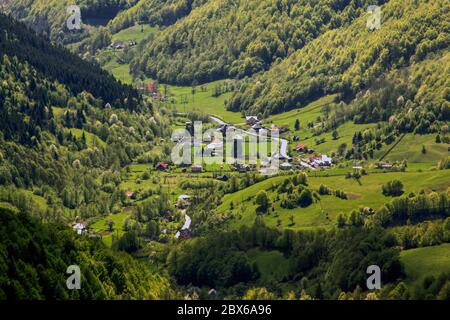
column 360, row 177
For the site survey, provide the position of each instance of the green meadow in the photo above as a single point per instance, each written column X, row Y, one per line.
column 135, row 33
column 272, row 265
column 308, row 113
column 365, row 193
column 100, row 226
column 410, row 149
column 203, row 100
column 427, row 261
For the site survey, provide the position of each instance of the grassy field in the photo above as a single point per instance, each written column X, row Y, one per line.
column 428, row 261
column 310, row 113
column 325, row 212
column 135, row 33
column 204, row 101
column 119, row 71
column 345, row 131
column 101, row 227
column 410, row 148
column 304, row 115
column 272, row 265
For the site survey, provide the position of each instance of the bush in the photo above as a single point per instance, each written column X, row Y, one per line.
column 305, row 199
column 393, row 188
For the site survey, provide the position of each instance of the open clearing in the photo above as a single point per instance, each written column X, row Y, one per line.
column 427, row 261
column 325, row 212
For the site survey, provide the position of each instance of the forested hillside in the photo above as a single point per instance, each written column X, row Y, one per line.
column 50, row 16
column 58, row 64
column 352, row 58
column 154, row 12
column 224, row 39
column 67, row 130
column 34, row 258
column 59, row 132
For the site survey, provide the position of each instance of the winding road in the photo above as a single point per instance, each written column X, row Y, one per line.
column 187, row 223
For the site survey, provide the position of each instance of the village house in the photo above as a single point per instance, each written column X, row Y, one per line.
column 162, row 166
column 212, row 294
column 323, row 161
column 152, row 88
column 301, row 148
column 215, row 145
column 256, row 127
column 117, row 46
column 251, row 120
column 274, row 127
column 384, row 165
column 79, row 228
column 207, row 138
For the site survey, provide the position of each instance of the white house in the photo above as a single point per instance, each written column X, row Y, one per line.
column 79, row 228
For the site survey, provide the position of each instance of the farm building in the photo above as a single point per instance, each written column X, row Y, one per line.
column 223, row 178
column 251, row 120
column 256, row 127
column 300, row 148
column 323, row 161
column 162, row 166
column 384, row 165
column 79, row 228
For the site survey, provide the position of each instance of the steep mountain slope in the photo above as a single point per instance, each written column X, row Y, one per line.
column 66, row 130
column 349, row 59
column 50, row 16
column 50, row 103
column 56, row 63
column 154, row 12
column 238, row 38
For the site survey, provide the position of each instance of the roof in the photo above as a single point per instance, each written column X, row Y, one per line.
column 286, row 164
column 163, row 165
column 217, row 143
column 300, row 146
column 184, row 197
column 251, row 117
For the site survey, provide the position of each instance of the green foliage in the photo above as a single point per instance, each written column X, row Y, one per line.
column 351, row 58
column 58, row 64
column 262, row 200
column 309, row 254
column 393, row 188
column 305, row 199
column 34, row 258
column 228, row 39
